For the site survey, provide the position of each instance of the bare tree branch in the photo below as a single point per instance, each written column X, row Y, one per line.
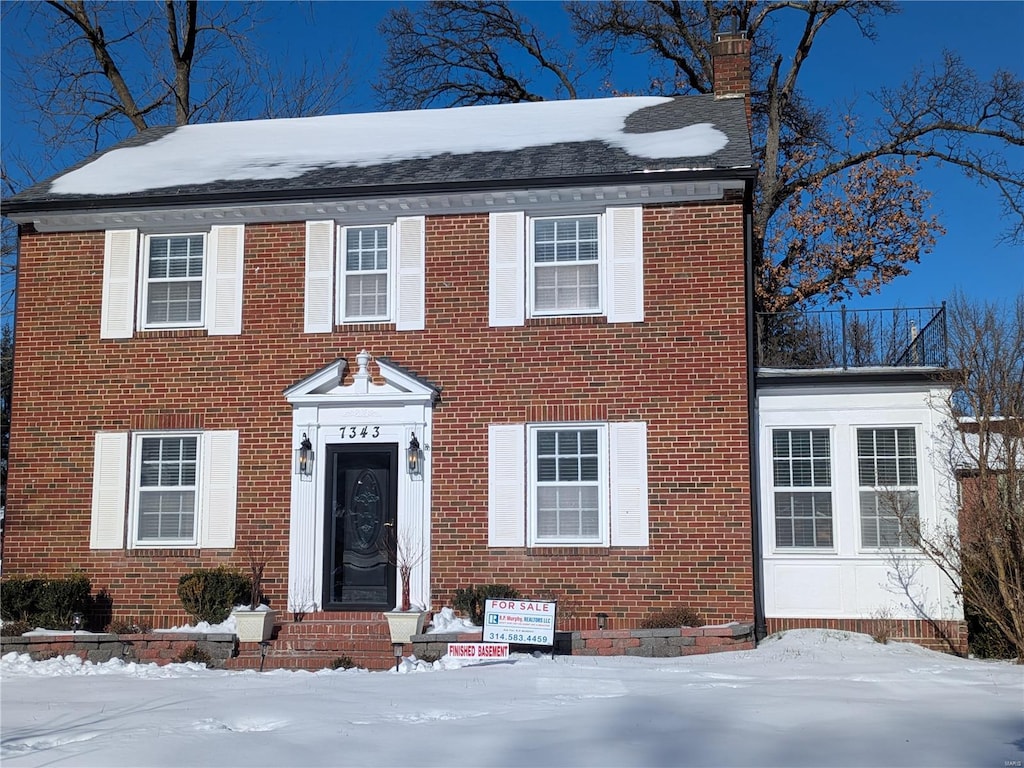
column 459, row 53
column 984, row 555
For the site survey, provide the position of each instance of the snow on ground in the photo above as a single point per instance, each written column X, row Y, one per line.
column 807, row 698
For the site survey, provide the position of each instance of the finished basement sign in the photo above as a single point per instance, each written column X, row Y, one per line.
column 530, row 622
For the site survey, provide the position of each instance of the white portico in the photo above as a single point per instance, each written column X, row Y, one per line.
column 361, row 431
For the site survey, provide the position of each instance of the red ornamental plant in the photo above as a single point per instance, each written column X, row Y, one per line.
column 402, row 553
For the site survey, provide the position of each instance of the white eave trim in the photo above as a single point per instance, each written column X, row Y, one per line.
column 566, row 200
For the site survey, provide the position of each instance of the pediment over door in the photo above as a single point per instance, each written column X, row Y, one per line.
column 325, row 387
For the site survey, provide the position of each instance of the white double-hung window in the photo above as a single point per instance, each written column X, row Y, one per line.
column 165, row 491
column 888, row 492
column 154, row 282
column 565, row 265
column 567, row 484
column 553, row 266
column 174, row 272
column 568, row 488
column 802, row 485
column 365, row 274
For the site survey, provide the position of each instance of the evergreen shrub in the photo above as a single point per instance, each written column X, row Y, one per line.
column 209, row 594
column 470, row 600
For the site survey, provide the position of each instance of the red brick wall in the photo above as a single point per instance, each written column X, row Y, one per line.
column 683, row 371
column 951, row 637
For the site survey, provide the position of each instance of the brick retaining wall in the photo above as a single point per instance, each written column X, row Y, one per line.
column 653, row 643
column 153, row 648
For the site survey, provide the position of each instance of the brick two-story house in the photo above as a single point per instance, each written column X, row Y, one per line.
column 544, row 307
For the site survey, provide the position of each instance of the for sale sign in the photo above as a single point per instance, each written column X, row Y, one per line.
column 530, row 622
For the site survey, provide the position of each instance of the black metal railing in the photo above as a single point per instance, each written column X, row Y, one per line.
column 853, row 338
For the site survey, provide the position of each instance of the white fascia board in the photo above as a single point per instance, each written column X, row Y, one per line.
column 567, row 200
column 330, row 373
column 341, row 398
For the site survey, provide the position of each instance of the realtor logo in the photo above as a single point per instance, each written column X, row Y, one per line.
column 492, row 618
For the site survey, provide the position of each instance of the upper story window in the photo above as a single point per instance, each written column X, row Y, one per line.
column 171, row 281
column 365, row 274
column 802, row 482
column 888, row 493
column 565, row 267
column 173, row 285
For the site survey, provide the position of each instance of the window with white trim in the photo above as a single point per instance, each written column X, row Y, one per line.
column 173, row 282
column 165, row 485
column 365, row 273
column 888, row 492
column 567, row 484
column 568, row 490
column 365, row 290
column 164, row 489
column 588, row 263
column 802, row 486
column 565, row 265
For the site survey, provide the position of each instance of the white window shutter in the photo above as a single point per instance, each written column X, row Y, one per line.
column 319, row 314
column 628, row 455
column 410, row 314
column 224, row 282
column 109, row 490
column 506, row 485
column 120, row 255
column 625, row 264
column 508, row 269
column 220, row 489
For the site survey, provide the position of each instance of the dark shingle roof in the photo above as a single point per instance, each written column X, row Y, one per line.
column 520, row 163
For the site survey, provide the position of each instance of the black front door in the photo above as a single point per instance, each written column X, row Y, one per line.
column 362, row 504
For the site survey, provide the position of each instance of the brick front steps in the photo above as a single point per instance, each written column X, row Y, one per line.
column 316, row 643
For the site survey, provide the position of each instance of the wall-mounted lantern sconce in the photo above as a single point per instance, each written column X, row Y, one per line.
column 304, row 458
column 414, row 457
column 602, row 621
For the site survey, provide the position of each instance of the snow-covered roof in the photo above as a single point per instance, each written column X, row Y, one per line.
column 493, row 145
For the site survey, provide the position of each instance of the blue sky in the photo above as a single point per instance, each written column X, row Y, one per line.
column 987, row 35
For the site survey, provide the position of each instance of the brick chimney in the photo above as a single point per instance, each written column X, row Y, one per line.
column 730, row 62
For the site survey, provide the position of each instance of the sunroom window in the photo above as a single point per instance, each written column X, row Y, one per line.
column 887, row 474
column 802, row 481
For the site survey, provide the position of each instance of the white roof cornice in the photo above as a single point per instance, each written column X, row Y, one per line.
column 566, row 200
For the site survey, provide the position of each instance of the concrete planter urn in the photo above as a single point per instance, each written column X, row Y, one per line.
column 405, row 624
column 254, row 626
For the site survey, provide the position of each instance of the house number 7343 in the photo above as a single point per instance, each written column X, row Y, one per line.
column 354, row 432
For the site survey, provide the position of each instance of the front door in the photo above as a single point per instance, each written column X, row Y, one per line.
column 362, row 505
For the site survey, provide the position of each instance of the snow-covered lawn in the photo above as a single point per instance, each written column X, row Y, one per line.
column 813, row 698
